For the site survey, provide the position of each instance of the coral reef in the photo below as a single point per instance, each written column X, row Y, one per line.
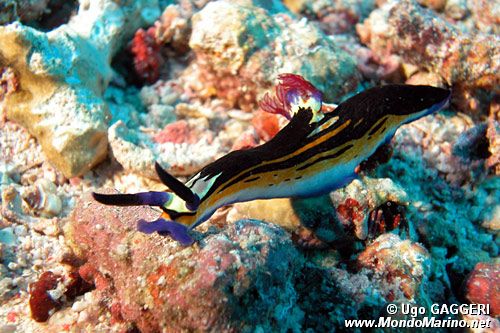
column 361, row 211
column 359, row 201
column 44, row 15
column 136, row 151
column 26, row 10
column 94, row 92
column 335, row 17
column 41, row 302
column 445, row 135
column 492, row 131
column 146, row 53
column 443, row 185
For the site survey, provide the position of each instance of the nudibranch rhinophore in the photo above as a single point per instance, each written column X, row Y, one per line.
column 315, row 153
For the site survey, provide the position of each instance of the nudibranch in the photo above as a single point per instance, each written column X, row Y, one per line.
column 315, row 153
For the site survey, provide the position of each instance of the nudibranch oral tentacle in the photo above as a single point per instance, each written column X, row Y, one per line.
column 314, row 153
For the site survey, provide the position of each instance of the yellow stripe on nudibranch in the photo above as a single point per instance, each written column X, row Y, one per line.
column 327, row 124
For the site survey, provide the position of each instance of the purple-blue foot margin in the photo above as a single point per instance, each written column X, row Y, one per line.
column 177, row 231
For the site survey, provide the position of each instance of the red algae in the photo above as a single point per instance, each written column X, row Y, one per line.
column 76, row 286
column 146, row 55
column 41, row 303
column 351, row 213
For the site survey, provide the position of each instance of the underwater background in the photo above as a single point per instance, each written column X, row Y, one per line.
column 94, row 92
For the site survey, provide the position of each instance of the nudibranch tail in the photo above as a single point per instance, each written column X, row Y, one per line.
column 177, row 231
column 292, row 92
column 137, row 199
column 182, row 200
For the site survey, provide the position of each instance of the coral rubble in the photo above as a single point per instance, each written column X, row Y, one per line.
column 154, row 283
column 242, row 39
column 396, row 260
column 422, row 38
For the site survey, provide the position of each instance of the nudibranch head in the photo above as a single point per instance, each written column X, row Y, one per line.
column 293, row 92
column 418, row 99
column 406, row 102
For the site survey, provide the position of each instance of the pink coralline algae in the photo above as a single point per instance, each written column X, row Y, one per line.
column 178, row 132
column 155, row 284
column 146, row 54
column 483, row 286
